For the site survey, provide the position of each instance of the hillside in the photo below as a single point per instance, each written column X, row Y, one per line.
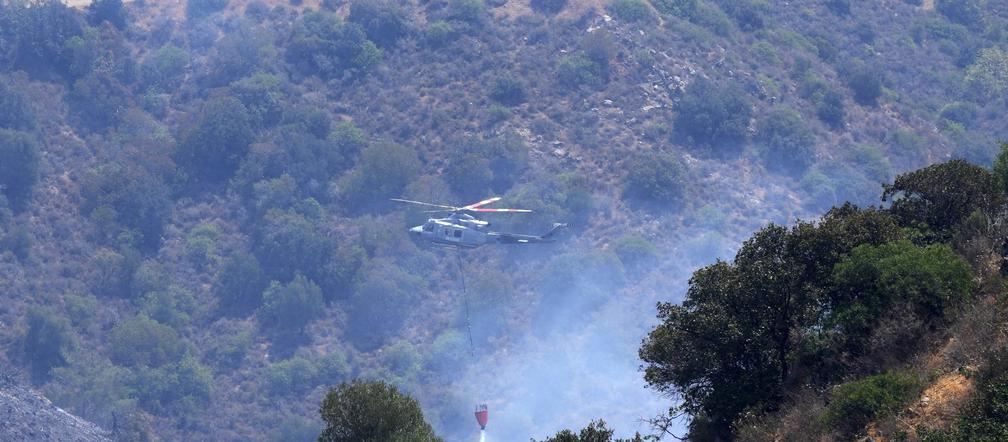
column 195, row 230
column 29, row 417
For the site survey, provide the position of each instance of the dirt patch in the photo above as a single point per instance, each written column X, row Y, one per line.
column 928, row 5
column 939, row 403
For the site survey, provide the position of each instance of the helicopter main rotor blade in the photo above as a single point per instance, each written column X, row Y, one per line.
column 442, row 206
column 501, row 210
column 483, row 203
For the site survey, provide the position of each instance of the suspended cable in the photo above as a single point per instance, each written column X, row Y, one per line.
column 465, row 300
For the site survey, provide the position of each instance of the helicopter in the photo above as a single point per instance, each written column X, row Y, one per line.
column 463, row 230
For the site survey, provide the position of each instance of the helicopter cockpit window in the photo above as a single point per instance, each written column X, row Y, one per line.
column 458, row 233
column 428, row 227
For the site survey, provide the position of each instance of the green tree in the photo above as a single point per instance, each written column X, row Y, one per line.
column 16, row 111
column 866, row 83
column 508, row 90
column 383, row 171
column 1000, row 170
column 940, row 196
column 763, row 308
column 966, row 12
column 876, row 278
column 127, row 201
column 196, row 9
column 144, row 342
column 164, row 69
column 290, row 307
column 383, row 296
column 323, row 44
column 19, row 163
column 111, row 11
column 240, row 284
column 384, row 21
column 656, row 177
column 713, row 116
column 786, row 143
column 596, row 431
column 548, row 6
column 678, row 8
column 630, row 10
column 471, row 11
column 855, row 404
column 290, row 243
column 47, row 343
column 372, row 412
column 98, row 99
column 216, row 145
column 262, row 95
column 989, row 73
column 830, row 109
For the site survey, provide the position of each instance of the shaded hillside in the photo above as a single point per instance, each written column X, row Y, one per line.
column 195, row 224
column 30, row 417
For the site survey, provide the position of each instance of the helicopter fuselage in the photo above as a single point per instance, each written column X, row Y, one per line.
column 468, row 232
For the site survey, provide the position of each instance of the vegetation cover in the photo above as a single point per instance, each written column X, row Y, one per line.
column 195, row 238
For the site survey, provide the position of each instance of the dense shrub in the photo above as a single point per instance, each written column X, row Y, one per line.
column 989, row 73
column 366, row 411
column 35, row 33
column 548, row 6
column 383, row 296
column 384, row 21
column 508, row 90
column 439, row 33
column 866, row 83
column 290, row 307
column 125, row 199
column 322, row 44
column 940, row 196
column 713, row 115
column 966, row 12
column 262, row 96
column 383, row 171
column 931, row 281
column 856, row 403
column 239, row 284
column 212, row 150
column 97, row 100
column 750, row 15
column 16, row 111
column 785, row 142
column 47, row 343
column 144, row 342
column 830, row 109
column 288, row 243
column 203, row 8
column 678, row 8
column 111, row 11
column 471, row 11
column 19, row 163
column 164, row 69
column 630, row 10
column 656, row 177
column 574, row 71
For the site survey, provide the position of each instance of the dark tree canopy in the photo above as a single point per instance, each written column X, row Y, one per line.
column 372, row 412
column 384, row 21
column 324, row 45
column 714, row 116
column 212, row 150
column 19, row 163
column 787, row 144
column 596, row 431
column 940, row 196
column 656, row 178
column 47, row 343
column 16, row 112
column 290, row 307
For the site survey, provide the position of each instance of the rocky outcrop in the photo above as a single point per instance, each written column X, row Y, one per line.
column 26, row 415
